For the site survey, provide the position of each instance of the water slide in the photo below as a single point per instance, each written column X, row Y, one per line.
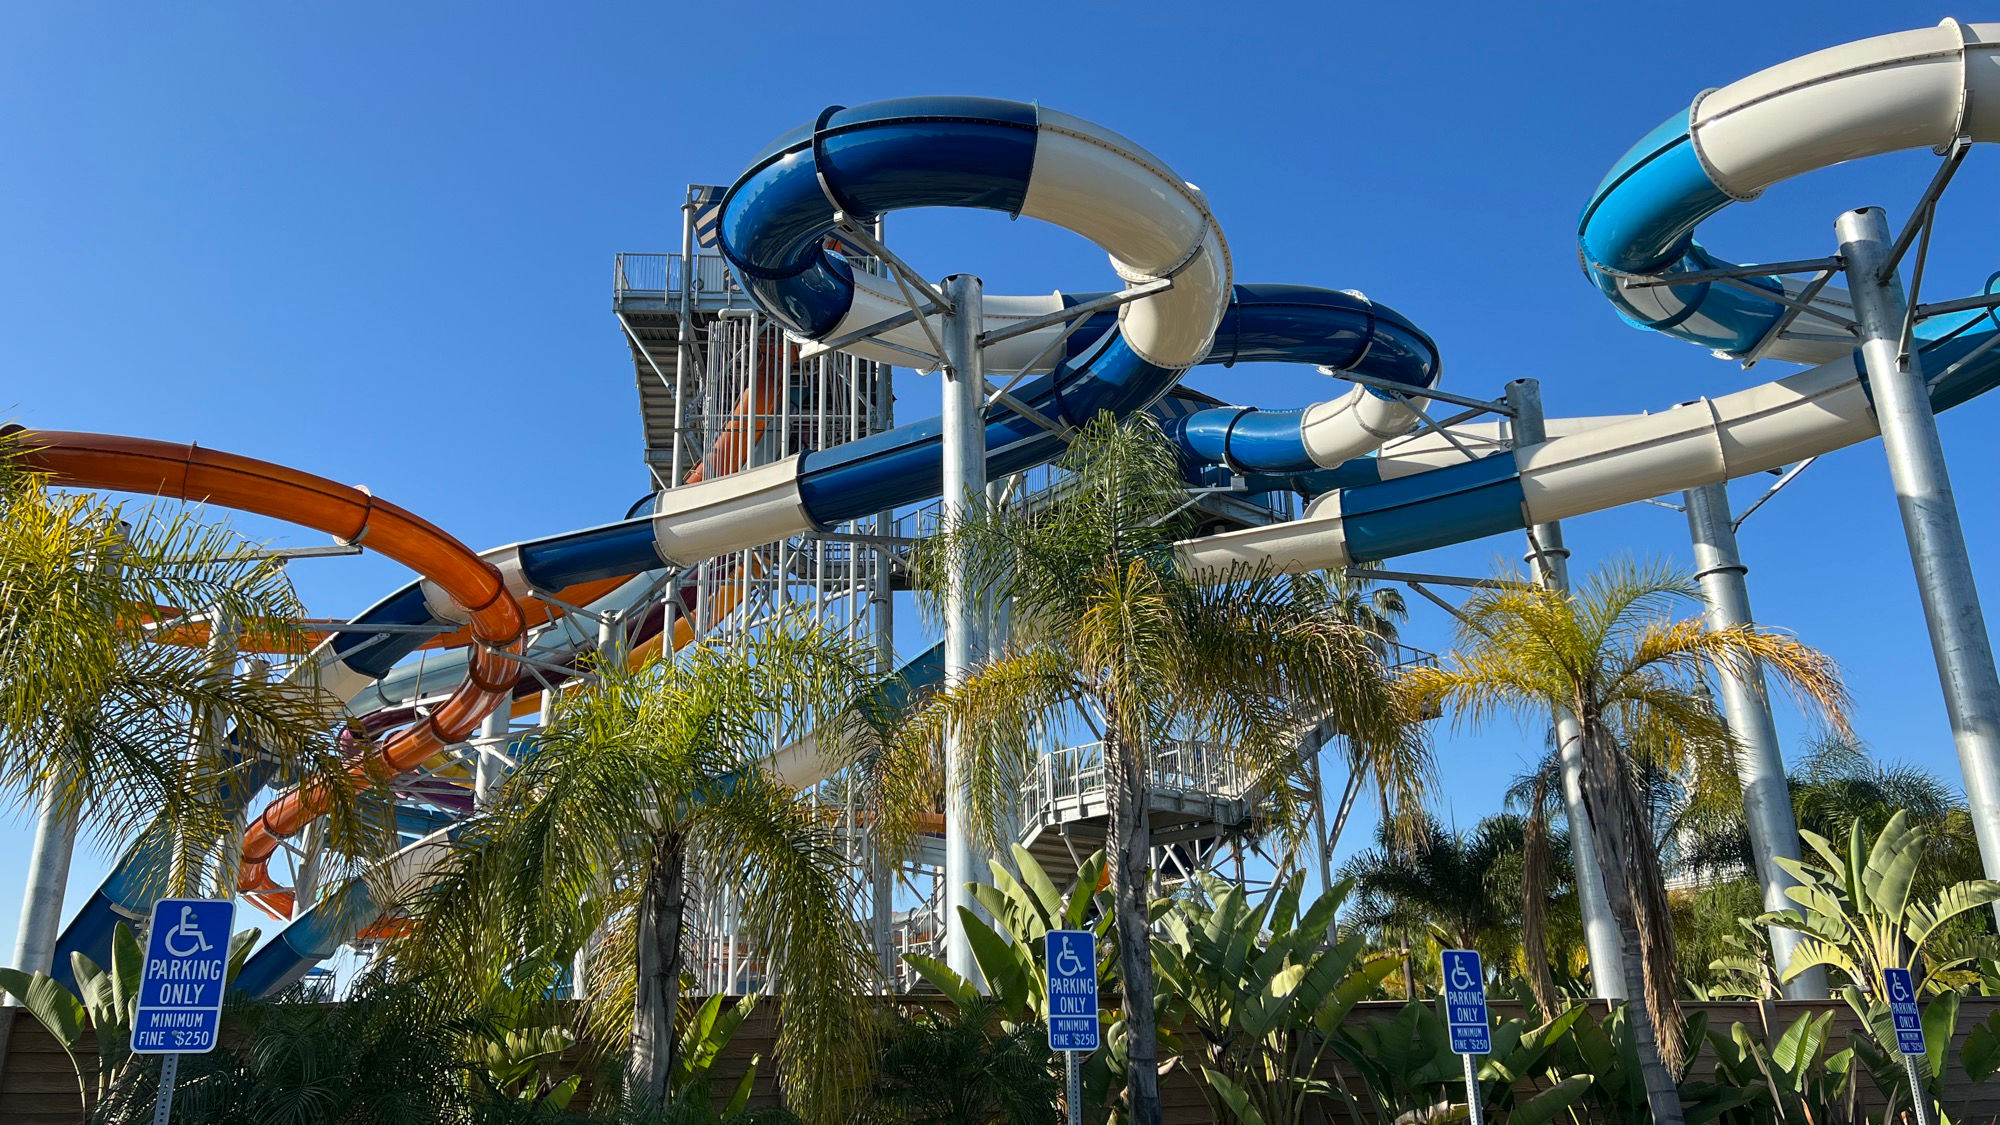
column 1416, row 491
column 1874, row 96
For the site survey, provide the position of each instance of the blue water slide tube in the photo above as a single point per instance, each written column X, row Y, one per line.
column 961, row 152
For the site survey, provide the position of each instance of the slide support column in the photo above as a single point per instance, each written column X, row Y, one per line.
column 1767, row 799
column 1550, row 560
column 964, row 490
column 1902, row 401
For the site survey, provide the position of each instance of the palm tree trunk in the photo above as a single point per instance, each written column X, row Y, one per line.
column 662, row 905
column 1535, row 859
column 1623, row 844
column 1131, row 855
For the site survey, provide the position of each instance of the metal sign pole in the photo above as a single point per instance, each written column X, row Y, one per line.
column 1918, row 1101
column 1900, row 989
column 1466, row 1017
column 170, row 1068
column 1073, row 1062
column 1473, row 1112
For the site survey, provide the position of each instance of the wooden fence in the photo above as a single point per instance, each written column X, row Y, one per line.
column 39, row 1088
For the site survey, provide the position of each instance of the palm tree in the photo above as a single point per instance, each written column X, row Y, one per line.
column 1838, row 783
column 1463, row 886
column 645, row 793
column 1611, row 655
column 1353, row 597
column 114, row 712
column 1111, row 633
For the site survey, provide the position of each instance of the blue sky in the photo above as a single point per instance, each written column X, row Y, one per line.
column 373, row 241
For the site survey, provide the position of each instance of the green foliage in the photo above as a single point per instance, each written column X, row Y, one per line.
column 1611, row 655
column 103, row 674
column 1794, row 1080
column 1257, row 988
column 964, row 1066
column 1467, row 884
column 1409, row 1073
column 102, row 1007
column 1009, row 952
column 644, row 789
column 1858, row 915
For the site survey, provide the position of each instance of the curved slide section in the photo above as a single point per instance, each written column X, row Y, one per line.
column 188, row 472
column 965, row 152
column 1865, row 98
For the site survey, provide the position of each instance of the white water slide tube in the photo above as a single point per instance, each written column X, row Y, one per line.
column 1913, row 89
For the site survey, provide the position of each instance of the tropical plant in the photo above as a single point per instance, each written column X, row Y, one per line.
column 1858, row 915
column 645, row 790
column 1609, row 654
column 1009, row 951
column 1111, row 633
column 1409, row 1073
column 104, row 674
column 102, row 1008
column 956, row 1067
column 1258, row 991
column 1464, row 885
column 1838, row 782
column 1547, row 879
column 391, row 1053
column 1793, row 1080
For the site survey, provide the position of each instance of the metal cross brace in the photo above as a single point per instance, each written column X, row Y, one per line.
column 1784, row 479
column 1380, row 384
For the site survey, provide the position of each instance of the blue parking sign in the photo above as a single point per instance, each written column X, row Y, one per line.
column 1901, row 990
column 1072, row 963
column 181, row 981
column 1465, row 1003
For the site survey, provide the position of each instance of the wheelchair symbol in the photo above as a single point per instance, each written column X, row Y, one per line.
column 1461, row 980
column 186, row 939
column 1067, row 962
column 1899, row 990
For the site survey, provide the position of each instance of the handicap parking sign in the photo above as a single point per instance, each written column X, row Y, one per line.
column 1465, row 1003
column 1072, row 962
column 1902, row 993
column 181, row 981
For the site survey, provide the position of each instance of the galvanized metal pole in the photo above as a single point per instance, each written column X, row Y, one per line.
column 1919, row 1098
column 964, row 491
column 48, row 876
column 305, row 878
column 163, row 1105
column 883, row 610
column 1767, row 799
column 490, row 763
column 1550, row 560
column 683, row 345
column 1072, row 1063
column 1959, row 640
column 1475, row 1114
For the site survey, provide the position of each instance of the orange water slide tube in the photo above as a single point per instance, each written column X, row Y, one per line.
column 189, row 472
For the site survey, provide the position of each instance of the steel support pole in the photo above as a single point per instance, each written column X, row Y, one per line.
column 1767, row 799
column 490, row 762
column 1959, row 641
column 48, row 876
column 964, row 491
column 883, row 613
column 683, row 345
column 1549, row 559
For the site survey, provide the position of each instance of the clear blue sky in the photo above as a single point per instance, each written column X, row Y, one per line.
column 374, row 241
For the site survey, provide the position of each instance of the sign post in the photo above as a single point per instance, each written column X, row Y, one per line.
column 180, row 986
column 1465, row 1014
column 1901, row 990
column 1073, row 1025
